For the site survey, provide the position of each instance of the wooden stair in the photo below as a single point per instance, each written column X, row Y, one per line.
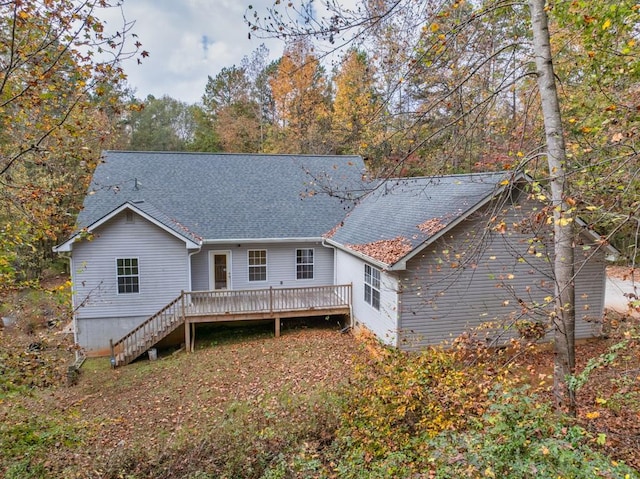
column 149, row 333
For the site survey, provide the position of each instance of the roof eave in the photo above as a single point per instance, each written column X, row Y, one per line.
column 67, row 246
column 613, row 255
column 401, row 264
column 362, row 256
column 304, row 239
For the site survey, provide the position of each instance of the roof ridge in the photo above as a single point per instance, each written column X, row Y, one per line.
column 455, row 175
column 222, row 153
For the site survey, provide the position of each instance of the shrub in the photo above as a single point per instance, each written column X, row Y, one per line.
column 432, row 415
column 520, row 437
column 407, row 395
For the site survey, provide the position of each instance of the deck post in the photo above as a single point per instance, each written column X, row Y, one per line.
column 187, row 335
column 277, row 327
column 112, row 359
column 350, row 299
column 271, row 299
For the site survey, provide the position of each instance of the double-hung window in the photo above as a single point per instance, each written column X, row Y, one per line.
column 128, row 275
column 372, row 286
column 304, row 263
column 257, row 265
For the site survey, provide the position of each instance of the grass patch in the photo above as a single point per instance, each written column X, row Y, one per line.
column 27, row 440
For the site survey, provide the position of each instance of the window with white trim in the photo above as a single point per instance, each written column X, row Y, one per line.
column 304, row 263
column 372, row 286
column 257, row 264
column 128, row 275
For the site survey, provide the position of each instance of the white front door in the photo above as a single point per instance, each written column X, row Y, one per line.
column 220, row 269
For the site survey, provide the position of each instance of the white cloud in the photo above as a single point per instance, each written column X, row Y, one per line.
column 174, row 33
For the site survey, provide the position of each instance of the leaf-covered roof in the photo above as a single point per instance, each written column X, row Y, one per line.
column 401, row 214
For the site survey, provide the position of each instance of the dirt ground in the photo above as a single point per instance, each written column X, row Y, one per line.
column 624, row 273
column 159, row 403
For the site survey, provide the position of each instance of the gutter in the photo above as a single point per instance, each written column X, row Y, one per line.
column 261, row 240
column 401, row 264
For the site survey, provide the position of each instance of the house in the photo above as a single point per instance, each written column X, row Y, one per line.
column 167, row 240
column 156, row 224
column 433, row 258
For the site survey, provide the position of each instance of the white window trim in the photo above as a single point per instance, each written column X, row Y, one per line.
column 372, row 287
column 118, row 276
column 266, row 268
column 312, row 264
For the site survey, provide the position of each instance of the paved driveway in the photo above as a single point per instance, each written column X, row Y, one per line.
column 615, row 298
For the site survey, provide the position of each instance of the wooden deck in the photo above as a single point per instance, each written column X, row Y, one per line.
column 195, row 307
column 256, row 304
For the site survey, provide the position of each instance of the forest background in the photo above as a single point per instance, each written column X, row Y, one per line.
column 436, row 88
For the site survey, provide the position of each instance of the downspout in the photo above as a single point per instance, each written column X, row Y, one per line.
column 190, row 278
column 335, row 260
column 335, row 280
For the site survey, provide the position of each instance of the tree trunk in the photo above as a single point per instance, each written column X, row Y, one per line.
column 563, row 225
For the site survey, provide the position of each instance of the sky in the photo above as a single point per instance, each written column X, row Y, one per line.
column 188, row 40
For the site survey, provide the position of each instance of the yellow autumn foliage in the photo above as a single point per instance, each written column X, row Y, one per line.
column 404, row 395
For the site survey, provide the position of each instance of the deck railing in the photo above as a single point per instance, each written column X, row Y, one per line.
column 272, row 300
column 144, row 336
column 225, row 303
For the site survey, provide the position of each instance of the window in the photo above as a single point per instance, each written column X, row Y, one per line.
column 128, row 275
column 372, row 286
column 258, row 265
column 304, row 263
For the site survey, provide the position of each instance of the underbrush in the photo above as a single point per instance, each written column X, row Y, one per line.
column 27, row 439
column 252, row 438
column 466, row 412
column 34, row 356
column 440, row 415
column 34, row 353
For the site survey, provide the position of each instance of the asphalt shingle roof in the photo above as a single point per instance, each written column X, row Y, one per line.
column 401, row 214
column 228, row 196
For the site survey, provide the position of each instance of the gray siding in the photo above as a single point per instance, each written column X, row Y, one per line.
column 591, row 277
column 484, row 280
column 281, row 266
column 384, row 322
column 93, row 334
column 163, row 268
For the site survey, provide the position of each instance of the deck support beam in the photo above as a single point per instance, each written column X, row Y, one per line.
column 187, row 335
column 277, row 327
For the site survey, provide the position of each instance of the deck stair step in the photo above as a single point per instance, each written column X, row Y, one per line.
column 149, row 333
